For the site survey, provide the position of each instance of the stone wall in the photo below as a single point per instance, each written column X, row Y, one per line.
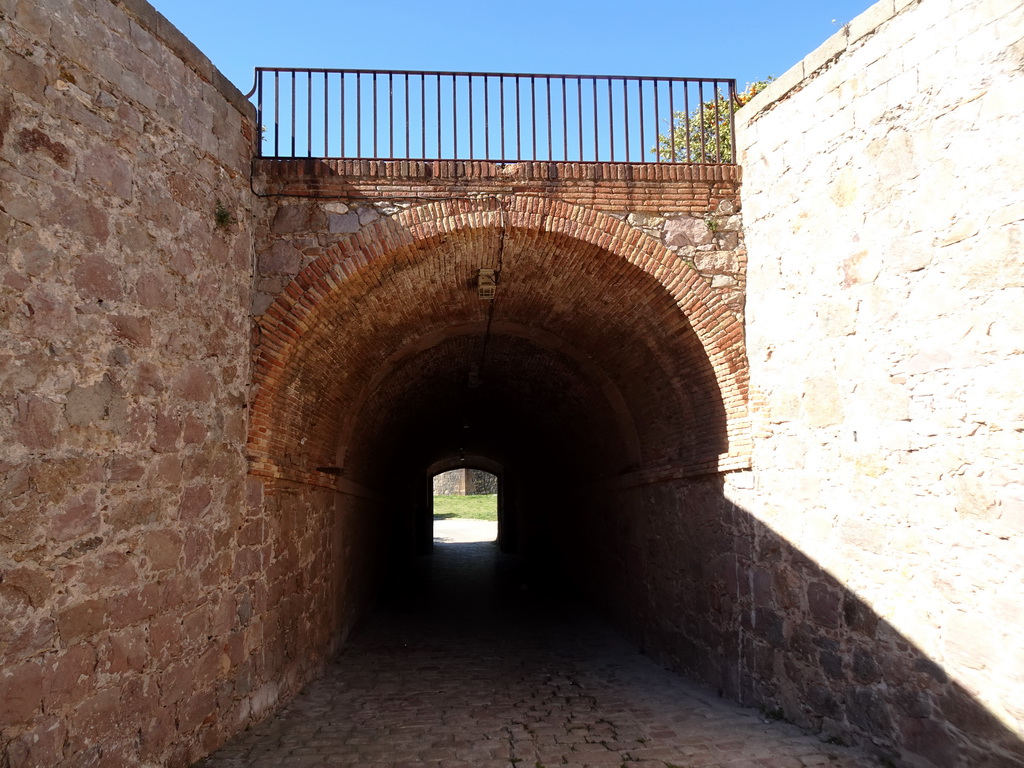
column 690, row 210
column 465, row 482
column 133, row 583
column 885, row 330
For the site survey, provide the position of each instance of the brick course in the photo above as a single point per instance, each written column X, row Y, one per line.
column 658, row 188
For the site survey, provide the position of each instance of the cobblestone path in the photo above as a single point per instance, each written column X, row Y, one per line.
column 447, row 680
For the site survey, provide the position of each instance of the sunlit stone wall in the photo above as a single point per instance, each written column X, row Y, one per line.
column 885, row 326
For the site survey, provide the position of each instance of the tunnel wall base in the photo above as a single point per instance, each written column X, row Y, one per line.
column 706, row 588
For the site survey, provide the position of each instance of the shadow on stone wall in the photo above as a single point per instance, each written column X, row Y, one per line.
column 709, row 590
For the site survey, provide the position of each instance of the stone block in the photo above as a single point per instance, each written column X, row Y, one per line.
column 822, row 402
column 868, row 22
column 82, row 621
column 343, row 223
column 163, row 547
column 69, row 677
column 717, row 262
column 21, row 692
column 827, row 52
column 194, row 384
column 104, row 167
column 97, row 278
column 36, row 422
column 89, row 405
column 282, row 258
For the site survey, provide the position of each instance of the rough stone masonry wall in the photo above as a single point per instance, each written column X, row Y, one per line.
column 134, row 591
column 885, row 322
column 465, row 482
column 694, row 213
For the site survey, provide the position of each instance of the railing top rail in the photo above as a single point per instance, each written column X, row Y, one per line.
column 442, row 73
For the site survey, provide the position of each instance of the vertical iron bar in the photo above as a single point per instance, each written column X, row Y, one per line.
column 594, row 83
column 657, row 144
column 455, row 122
column 259, row 113
column 501, row 102
column 611, row 121
column 293, row 112
column 732, row 120
column 579, row 112
column 438, row 117
column 309, row 114
column 327, row 112
column 640, row 89
column 686, row 120
column 375, row 115
column 533, row 114
column 470, row 120
column 359, row 114
column 277, row 110
column 547, row 98
column 519, row 124
column 671, row 125
column 423, row 117
column 487, row 127
column 703, row 127
column 407, row 149
column 625, row 113
column 391, row 114
column 341, row 99
column 565, row 126
column 718, row 124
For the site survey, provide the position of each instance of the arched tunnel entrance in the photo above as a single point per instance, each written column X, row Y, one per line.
column 601, row 354
column 602, row 365
column 473, row 479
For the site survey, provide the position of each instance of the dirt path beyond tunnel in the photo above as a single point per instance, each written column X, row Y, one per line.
column 477, row 668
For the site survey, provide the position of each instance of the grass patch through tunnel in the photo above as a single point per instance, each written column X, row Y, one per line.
column 483, row 507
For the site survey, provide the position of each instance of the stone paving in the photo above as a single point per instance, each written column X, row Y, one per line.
column 476, row 669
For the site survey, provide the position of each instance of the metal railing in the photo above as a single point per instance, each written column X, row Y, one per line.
column 501, row 118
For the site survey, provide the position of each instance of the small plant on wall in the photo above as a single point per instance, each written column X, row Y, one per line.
column 222, row 216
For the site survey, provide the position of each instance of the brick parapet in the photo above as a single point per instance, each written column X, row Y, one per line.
column 666, row 188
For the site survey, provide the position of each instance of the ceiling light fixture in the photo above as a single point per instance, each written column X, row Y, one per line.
column 486, row 284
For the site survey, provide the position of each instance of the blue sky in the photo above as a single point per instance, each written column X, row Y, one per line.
column 742, row 39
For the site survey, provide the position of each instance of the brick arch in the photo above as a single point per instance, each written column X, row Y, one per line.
column 351, row 283
column 469, row 461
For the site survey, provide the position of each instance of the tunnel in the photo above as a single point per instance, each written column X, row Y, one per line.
column 601, row 382
column 605, row 383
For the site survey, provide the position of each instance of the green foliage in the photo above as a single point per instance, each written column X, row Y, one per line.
column 482, row 507
column 705, row 134
column 222, row 216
